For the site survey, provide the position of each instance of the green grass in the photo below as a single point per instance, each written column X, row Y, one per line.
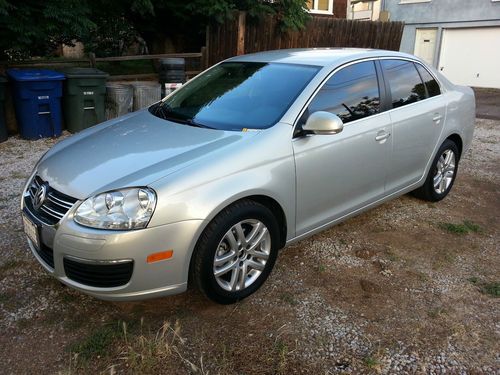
column 492, row 289
column 464, row 228
column 98, row 342
column 370, row 362
column 288, row 298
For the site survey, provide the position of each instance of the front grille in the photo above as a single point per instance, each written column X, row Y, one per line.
column 99, row 275
column 47, row 254
column 53, row 208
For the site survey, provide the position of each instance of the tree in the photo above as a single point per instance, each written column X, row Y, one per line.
column 33, row 27
column 36, row 28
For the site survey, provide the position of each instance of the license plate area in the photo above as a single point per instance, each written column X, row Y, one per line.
column 32, row 231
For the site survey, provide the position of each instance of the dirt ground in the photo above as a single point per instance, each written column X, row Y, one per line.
column 407, row 288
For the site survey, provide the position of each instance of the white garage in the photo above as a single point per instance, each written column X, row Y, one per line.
column 471, row 56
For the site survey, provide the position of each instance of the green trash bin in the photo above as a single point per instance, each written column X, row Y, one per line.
column 3, row 125
column 83, row 98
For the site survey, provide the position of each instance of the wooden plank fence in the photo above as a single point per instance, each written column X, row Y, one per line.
column 242, row 35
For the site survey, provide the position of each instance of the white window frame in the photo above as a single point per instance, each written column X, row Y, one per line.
column 414, row 1
column 317, row 11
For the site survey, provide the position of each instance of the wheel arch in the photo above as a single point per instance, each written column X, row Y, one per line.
column 267, row 201
column 455, row 138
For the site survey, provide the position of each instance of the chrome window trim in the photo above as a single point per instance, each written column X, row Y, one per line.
column 320, row 86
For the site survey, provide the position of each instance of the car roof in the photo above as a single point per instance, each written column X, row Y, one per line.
column 324, row 57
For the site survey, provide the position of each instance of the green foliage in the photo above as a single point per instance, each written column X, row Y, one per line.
column 109, row 27
column 32, row 27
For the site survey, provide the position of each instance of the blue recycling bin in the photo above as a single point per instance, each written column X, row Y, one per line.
column 37, row 102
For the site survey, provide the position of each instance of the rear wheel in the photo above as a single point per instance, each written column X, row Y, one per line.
column 236, row 252
column 441, row 174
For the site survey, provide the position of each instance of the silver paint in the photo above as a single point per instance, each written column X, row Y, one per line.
column 317, row 180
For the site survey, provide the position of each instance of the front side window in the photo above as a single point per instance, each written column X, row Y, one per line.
column 430, row 83
column 404, row 81
column 237, row 95
column 351, row 93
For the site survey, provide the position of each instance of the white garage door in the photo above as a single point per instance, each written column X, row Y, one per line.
column 471, row 56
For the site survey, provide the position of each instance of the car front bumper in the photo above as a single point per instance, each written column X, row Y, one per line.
column 90, row 260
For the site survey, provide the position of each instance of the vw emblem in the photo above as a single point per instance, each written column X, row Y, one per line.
column 40, row 195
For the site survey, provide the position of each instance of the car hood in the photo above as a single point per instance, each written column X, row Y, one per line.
column 135, row 150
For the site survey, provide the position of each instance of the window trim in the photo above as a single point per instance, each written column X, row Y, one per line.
column 314, row 9
column 383, row 91
column 404, row 2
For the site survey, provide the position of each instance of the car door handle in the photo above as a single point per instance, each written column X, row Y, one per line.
column 437, row 118
column 382, row 136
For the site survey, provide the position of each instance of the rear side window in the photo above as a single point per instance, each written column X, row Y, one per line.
column 430, row 82
column 404, row 82
column 352, row 93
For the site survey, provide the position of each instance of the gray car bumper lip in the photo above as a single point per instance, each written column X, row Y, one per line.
column 148, row 280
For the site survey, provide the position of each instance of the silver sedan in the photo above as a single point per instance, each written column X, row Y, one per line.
column 255, row 153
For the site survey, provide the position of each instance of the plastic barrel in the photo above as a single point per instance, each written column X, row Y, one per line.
column 37, row 102
column 3, row 126
column 84, row 98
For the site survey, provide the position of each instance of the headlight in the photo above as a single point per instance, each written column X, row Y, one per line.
column 119, row 209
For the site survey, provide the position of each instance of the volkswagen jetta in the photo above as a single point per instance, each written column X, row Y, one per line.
column 255, row 153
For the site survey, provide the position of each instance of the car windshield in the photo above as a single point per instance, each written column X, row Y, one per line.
column 237, row 95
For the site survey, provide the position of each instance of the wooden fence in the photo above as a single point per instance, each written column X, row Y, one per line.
column 195, row 62
column 242, row 35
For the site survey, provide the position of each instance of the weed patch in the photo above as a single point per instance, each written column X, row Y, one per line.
column 464, row 228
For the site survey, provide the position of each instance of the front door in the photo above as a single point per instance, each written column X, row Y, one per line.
column 336, row 174
column 425, row 45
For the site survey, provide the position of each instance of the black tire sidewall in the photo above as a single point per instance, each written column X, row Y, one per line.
column 210, row 239
column 435, row 196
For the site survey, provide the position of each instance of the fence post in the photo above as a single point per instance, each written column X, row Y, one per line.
column 92, row 59
column 240, row 48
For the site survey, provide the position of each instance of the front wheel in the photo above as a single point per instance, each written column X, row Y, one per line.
column 441, row 174
column 236, row 252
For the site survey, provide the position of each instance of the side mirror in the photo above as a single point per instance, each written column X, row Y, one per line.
column 322, row 122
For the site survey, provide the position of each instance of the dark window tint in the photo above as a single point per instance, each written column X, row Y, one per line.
column 430, row 82
column 404, row 81
column 351, row 93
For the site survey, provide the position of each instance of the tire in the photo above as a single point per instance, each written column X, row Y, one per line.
column 172, row 63
column 173, row 77
column 215, row 254
column 445, row 176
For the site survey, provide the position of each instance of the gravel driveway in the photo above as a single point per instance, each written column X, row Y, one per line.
column 410, row 287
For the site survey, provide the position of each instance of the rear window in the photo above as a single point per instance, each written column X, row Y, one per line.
column 430, row 83
column 404, row 81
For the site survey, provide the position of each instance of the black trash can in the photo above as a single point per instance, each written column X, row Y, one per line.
column 3, row 125
column 84, row 98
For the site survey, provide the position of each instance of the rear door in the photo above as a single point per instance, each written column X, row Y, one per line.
column 418, row 114
column 336, row 174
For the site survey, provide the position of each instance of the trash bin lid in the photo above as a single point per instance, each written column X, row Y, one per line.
column 84, row 73
column 34, row 75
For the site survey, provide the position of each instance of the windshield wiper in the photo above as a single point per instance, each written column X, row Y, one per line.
column 191, row 122
column 164, row 111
